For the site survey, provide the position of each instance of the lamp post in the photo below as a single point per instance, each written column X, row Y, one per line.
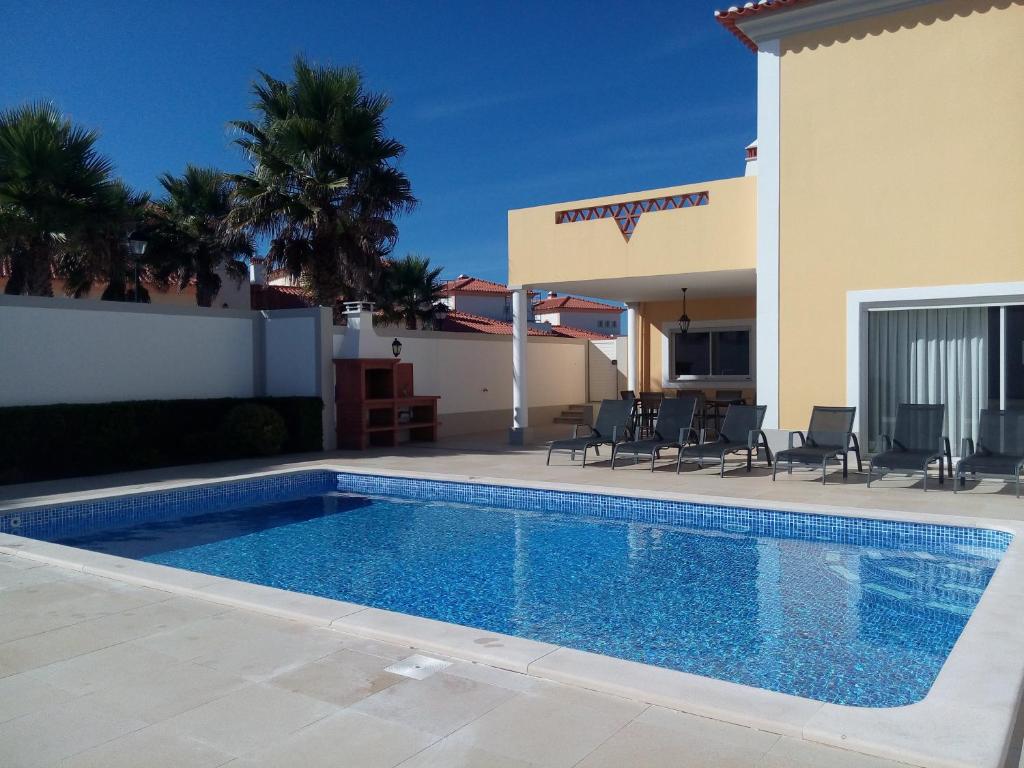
column 137, row 241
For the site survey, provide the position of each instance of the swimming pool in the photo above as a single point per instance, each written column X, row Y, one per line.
column 842, row 610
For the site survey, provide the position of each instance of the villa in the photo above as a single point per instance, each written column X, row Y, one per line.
column 877, row 223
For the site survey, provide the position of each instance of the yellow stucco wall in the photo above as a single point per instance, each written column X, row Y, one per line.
column 901, row 165
column 712, row 237
column 652, row 315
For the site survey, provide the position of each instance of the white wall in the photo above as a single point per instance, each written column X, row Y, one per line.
column 473, row 372
column 58, row 350
column 586, row 320
column 497, row 306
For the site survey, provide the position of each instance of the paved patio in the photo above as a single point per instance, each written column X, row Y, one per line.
column 95, row 672
column 98, row 673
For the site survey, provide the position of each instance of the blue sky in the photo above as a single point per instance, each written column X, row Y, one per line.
column 500, row 105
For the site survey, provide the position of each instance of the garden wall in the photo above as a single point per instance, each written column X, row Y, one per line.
column 473, row 374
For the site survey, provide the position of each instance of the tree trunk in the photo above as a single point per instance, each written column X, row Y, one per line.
column 38, row 274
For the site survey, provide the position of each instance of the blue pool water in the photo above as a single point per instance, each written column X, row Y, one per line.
column 839, row 610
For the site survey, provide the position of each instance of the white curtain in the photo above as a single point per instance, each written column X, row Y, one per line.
column 928, row 356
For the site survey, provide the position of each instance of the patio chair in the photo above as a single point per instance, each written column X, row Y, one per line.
column 916, row 443
column 741, row 432
column 610, row 428
column 672, row 429
column 1000, row 449
column 830, row 436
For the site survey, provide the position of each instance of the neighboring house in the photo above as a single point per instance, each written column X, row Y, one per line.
column 579, row 313
column 232, row 295
column 873, row 251
column 476, row 296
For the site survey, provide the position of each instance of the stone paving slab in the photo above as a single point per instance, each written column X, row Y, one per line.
column 183, row 682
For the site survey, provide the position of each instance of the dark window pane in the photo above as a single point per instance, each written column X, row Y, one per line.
column 730, row 353
column 1014, row 357
column 693, row 354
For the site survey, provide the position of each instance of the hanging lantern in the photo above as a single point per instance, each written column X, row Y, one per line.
column 684, row 319
column 396, row 347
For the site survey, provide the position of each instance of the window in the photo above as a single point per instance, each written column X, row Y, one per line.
column 723, row 353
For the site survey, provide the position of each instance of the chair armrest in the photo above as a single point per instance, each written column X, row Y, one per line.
column 803, row 440
column 966, row 446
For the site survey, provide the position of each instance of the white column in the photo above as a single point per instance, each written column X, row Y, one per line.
column 520, row 400
column 631, row 348
column 767, row 365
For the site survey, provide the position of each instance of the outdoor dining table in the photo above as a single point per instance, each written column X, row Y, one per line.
column 713, row 410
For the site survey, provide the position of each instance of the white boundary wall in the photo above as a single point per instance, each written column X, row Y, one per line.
column 473, row 372
column 63, row 351
column 66, row 351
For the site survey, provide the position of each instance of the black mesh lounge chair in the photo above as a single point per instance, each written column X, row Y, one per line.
column 829, row 437
column 741, row 433
column 916, row 443
column 1000, row 449
column 611, row 428
column 672, row 429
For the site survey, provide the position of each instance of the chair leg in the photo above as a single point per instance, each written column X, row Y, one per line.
column 871, row 467
column 775, row 468
column 615, row 450
column 679, row 460
column 924, row 482
column 749, row 459
column 846, row 464
column 585, row 454
column 550, row 449
column 824, row 470
column 942, row 471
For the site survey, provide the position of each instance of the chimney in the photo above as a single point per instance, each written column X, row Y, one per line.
column 258, row 271
column 751, row 152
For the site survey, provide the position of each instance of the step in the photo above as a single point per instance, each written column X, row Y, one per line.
column 569, row 419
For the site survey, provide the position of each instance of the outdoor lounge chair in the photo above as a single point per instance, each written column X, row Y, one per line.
column 829, row 437
column 610, row 428
column 1000, row 449
column 672, row 429
column 916, row 443
column 741, row 432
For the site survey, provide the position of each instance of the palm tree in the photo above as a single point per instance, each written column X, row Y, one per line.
column 190, row 238
column 51, row 176
column 411, row 292
column 323, row 186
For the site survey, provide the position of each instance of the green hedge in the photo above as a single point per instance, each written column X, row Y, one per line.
column 43, row 442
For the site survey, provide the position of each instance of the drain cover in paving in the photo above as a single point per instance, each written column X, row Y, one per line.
column 417, row 666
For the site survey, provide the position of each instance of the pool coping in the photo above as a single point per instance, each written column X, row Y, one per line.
column 966, row 720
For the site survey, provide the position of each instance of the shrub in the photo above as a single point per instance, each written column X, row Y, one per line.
column 253, row 430
column 43, row 442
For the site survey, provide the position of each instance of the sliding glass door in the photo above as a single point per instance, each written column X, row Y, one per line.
column 967, row 358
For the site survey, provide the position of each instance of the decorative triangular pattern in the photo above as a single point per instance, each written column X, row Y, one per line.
column 627, row 214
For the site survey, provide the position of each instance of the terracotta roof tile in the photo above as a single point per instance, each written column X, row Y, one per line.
column 578, row 333
column 467, row 284
column 467, row 322
column 729, row 17
column 278, row 297
column 572, row 303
